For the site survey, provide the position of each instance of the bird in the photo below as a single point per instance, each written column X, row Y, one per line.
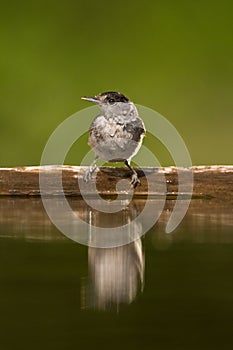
column 116, row 134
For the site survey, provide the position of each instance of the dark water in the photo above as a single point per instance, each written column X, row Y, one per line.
column 161, row 292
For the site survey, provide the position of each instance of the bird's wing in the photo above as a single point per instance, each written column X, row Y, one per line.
column 136, row 129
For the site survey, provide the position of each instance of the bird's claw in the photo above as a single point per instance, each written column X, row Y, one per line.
column 87, row 176
column 135, row 181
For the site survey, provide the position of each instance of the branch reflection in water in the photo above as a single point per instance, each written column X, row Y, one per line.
column 116, row 275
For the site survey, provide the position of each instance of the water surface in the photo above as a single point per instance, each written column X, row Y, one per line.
column 160, row 292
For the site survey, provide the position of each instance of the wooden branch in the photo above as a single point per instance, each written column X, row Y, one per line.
column 209, row 181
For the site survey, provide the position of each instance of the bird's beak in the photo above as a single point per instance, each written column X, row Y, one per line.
column 90, row 99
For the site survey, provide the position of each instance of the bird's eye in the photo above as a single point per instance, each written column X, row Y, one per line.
column 111, row 101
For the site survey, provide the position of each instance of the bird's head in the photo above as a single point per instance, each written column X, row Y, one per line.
column 110, row 102
column 109, row 98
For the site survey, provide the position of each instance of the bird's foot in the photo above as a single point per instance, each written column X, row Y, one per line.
column 88, row 175
column 134, row 180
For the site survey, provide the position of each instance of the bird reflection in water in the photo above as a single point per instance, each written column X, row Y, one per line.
column 115, row 275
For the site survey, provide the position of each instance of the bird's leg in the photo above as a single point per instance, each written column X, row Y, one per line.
column 88, row 174
column 134, row 178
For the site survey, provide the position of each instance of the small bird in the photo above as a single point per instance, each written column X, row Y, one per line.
column 116, row 134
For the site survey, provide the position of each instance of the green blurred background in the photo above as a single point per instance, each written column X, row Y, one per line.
column 173, row 56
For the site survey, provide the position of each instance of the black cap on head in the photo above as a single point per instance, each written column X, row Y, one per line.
column 109, row 97
column 112, row 97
